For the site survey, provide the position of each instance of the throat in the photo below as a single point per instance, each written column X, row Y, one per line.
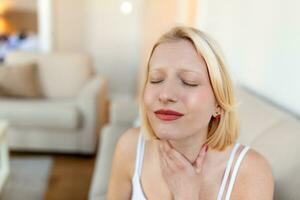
column 189, row 149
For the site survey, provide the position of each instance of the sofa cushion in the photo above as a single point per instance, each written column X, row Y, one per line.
column 20, row 57
column 280, row 145
column 40, row 113
column 61, row 74
column 20, row 80
column 256, row 115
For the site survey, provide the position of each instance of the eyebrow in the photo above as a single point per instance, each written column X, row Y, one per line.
column 181, row 71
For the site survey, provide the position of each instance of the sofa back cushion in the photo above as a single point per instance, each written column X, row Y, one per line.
column 20, row 80
column 61, row 74
column 280, row 145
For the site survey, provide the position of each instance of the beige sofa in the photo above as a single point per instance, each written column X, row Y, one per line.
column 266, row 128
column 68, row 116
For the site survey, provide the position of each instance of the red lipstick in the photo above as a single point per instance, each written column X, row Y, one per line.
column 167, row 115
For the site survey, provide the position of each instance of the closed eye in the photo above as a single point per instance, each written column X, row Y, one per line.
column 185, row 83
column 155, row 82
column 189, row 84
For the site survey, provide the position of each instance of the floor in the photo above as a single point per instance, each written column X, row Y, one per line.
column 70, row 177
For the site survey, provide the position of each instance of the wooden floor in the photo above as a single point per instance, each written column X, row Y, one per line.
column 70, row 176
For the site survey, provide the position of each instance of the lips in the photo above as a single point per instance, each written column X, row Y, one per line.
column 168, row 115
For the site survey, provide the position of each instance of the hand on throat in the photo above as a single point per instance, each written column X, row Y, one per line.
column 189, row 146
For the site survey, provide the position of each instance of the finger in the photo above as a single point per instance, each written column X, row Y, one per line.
column 175, row 154
column 169, row 163
column 178, row 159
column 200, row 158
column 167, row 146
column 162, row 161
column 165, row 165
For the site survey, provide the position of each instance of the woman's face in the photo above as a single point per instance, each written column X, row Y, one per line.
column 178, row 80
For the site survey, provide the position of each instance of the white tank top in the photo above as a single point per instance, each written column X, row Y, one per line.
column 137, row 191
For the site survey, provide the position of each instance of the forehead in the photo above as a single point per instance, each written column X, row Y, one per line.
column 180, row 55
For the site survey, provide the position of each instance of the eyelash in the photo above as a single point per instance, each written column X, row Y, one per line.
column 190, row 85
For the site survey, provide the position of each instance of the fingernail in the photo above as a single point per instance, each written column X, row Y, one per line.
column 203, row 151
column 160, row 146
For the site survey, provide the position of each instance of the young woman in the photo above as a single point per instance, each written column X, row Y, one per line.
column 186, row 147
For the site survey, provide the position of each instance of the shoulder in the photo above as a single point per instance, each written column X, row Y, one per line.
column 126, row 148
column 128, row 140
column 255, row 178
column 123, row 161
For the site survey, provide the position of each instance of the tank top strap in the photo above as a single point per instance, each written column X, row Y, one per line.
column 139, row 154
column 227, row 170
column 235, row 170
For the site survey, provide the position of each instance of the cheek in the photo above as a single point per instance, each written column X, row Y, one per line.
column 202, row 100
column 149, row 96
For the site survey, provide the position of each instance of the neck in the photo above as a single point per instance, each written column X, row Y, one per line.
column 190, row 146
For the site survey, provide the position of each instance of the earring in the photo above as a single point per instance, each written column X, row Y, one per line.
column 218, row 116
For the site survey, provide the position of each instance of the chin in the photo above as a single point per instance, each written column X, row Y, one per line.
column 165, row 134
column 165, row 131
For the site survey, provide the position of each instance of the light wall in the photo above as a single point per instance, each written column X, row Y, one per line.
column 68, row 17
column 113, row 38
column 261, row 42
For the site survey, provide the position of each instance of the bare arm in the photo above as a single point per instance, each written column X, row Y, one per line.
column 256, row 179
column 120, row 179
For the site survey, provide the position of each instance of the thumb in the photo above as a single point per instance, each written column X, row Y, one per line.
column 200, row 158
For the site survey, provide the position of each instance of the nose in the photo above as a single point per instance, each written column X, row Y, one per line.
column 168, row 93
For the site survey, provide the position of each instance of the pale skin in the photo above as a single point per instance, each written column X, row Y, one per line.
column 181, row 169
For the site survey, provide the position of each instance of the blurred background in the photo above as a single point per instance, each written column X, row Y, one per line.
column 88, row 56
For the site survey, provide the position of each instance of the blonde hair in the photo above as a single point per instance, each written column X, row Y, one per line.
column 226, row 130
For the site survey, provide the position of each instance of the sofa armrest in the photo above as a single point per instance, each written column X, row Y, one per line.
column 124, row 111
column 108, row 140
column 92, row 104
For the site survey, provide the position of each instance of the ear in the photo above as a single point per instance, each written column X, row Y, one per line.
column 217, row 110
